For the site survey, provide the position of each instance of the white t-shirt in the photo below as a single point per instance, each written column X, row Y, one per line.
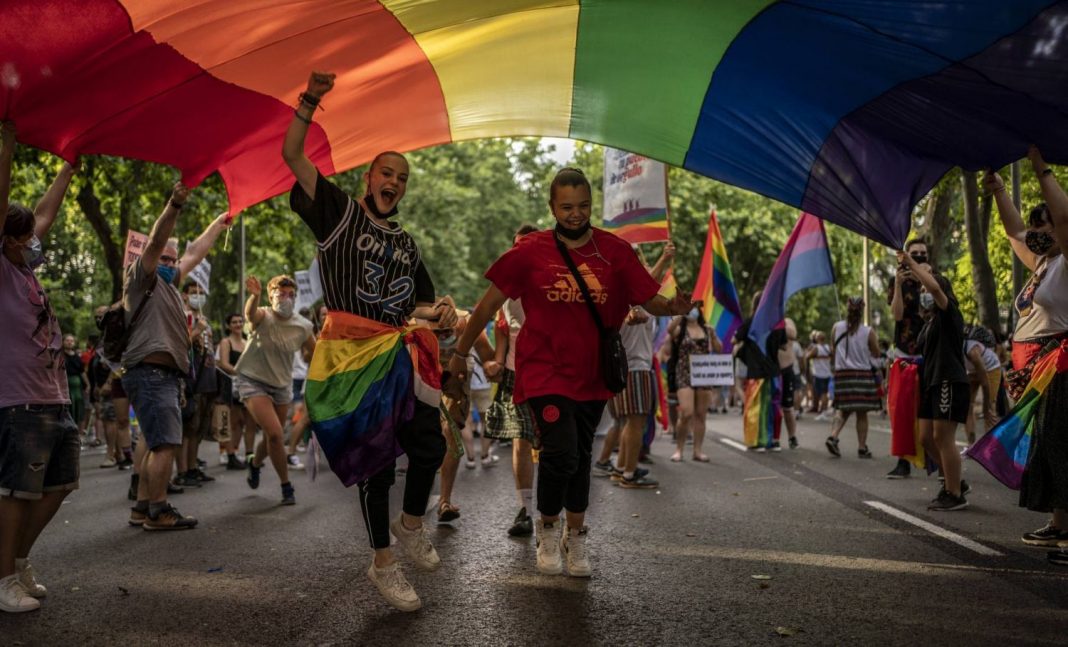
column 990, row 358
column 514, row 315
column 300, row 367
column 1047, row 314
column 851, row 353
column 638, row 342
column 821, row 362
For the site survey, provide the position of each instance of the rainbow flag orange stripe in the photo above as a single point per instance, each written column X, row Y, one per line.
column 763, row 412
column 363, row 382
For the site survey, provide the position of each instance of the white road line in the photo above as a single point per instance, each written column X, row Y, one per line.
column 734, row 443
column 935, row 530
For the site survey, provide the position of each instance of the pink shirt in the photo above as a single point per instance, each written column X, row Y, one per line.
column 34, row 369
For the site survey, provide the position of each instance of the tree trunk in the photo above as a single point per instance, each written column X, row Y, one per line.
column 977, row 224
column 939, row 224
column 90, row 206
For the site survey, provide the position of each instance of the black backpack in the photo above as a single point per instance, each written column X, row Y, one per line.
column 115, row 331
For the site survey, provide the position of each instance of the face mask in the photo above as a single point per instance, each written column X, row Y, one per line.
column 919, row 258
column 283, row 307
column 166, row 273
column 372, row 206
column 197, row 301
column 926, row 300
column 572, row 234
column 693, row 315
column 1039, row 242
column 31, row 252
column 447, row 341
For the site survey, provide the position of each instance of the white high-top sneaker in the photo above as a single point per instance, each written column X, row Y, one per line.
column 394, row 587
column 548, row 540
column 28, row 579
column 573, row 546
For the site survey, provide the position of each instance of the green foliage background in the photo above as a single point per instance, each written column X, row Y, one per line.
column 464, row 202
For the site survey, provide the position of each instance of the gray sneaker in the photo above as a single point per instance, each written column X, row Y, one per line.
column 394, row 587
column 416, row 545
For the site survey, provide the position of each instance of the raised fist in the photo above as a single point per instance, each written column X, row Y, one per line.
column 319, row 83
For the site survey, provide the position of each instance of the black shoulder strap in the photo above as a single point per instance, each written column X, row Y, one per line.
column 581, row 283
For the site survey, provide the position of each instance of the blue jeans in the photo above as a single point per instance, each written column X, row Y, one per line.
column 155, row 393
column 39, row 450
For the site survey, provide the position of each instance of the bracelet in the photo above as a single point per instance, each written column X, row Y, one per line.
column 466, row 355
column 1047, row 171
column 176, row 205
column 309, row 99
column 297, row 114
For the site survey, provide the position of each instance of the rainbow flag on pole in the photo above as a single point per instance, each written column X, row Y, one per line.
column 715, row 286
column 1004, row 450
column 363, row 382
column 635, row 197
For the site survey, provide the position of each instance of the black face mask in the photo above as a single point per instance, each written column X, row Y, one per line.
column 1039, row 242
column 572, row 234
column 919, row 258
column 372, row 206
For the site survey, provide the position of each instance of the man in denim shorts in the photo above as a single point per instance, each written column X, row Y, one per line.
column 39, row 445
column 156, row 359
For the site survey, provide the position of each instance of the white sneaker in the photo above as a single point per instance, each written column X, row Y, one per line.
column 108, row 462
column 548, row 540
column 14, row 598
column 394, row 587
column 822, row 416
column 573, row 546
column 470, row 464
column 28, row 579
column 223, row 459
column 416, row 545
column 294, row 462
column 490, row 460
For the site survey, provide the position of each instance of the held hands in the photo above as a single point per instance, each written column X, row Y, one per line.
column 445, row 313
column 458, row 367
column 492, row 368
column 319, row 83
column 253, row 287
column 636, row 317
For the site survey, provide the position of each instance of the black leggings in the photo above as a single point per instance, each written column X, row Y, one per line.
column 422, row 441
column 566, row 429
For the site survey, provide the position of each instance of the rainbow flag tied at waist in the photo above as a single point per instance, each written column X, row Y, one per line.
column 763, row 411
column 362, row 384
column 1004, row 450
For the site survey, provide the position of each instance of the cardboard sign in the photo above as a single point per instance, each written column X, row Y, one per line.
column 309, row 287
column 136, row 242
column 201, row 274
column 711, row 370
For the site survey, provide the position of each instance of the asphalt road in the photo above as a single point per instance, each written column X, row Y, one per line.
column 671, row 566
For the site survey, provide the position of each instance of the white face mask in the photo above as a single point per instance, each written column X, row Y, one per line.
column 197, row 301
column 282, row 307
column 926, row 300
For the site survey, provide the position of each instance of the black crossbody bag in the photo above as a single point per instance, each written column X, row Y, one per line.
column 613, row 356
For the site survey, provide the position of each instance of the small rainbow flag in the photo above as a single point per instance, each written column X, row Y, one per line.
column 763, row 412
column 715, row 286
column 1004, row 450
column 668, row 287
column 363, row 382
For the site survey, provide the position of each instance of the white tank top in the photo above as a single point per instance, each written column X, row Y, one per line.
column 851, row 351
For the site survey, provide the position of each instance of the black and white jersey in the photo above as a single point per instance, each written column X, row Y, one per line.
column 365, row 269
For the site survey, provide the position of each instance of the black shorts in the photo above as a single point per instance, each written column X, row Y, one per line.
column 946, row 401
column 788, row 388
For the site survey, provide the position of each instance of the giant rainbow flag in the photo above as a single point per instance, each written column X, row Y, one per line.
column 715, row 286
column 363, row 382
column 848, row 109
column 1004, row 450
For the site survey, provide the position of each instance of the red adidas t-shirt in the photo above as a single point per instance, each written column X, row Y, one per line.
column 557, row 352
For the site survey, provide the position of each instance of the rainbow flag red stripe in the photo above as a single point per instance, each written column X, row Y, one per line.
column 715, row 286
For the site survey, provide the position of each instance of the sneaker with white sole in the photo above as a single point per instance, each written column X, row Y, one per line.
column 547, row 536
column 490, row 460
column 416, row 545
column 573, row 547
column 394, row 587
column 28, row 579
column 294, row 462
column 14, row 598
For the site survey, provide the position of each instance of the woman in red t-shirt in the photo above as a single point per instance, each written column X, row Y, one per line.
column 558, row 366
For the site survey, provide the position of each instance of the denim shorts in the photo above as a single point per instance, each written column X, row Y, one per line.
column 39, row 450
column 155, row 394
column 250, row 388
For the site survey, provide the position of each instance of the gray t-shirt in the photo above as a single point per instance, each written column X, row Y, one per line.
column 638, row 342
column 268, row 355
column 162, row 326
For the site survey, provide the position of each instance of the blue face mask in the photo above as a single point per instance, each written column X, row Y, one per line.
column 166, row 273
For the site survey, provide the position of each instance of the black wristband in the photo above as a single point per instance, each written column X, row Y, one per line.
column 301, row 117
column 1047, row 171
column 176, row 205
column 311, row 100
